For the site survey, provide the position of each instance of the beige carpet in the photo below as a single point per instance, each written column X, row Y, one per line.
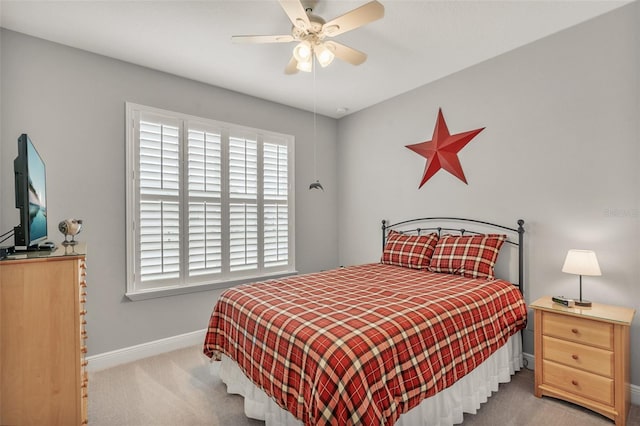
column 176, row 389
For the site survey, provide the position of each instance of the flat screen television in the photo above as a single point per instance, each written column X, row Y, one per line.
column 31, row 196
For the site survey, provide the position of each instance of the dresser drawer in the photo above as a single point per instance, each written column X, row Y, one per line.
column 588, row 385
column 580, row 330
column 588, row 358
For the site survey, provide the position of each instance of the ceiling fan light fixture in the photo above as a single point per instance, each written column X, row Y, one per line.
column 306, row 66
column 303, row 52
column 324, row 55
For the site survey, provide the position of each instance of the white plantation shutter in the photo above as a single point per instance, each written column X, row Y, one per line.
column 159, row 203
column 243, row 216
column 276, row 217
column 205, row 238
column 208, row 203
column 205, row 164
column 243, row 168
column 243, row 236
column 159, row 240
column 276, row 235
column 159, row 159
column 205, row 209
column 275, row 171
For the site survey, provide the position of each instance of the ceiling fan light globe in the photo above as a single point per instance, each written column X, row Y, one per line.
column 324, row 55
column 303, row 52
column 305, row 66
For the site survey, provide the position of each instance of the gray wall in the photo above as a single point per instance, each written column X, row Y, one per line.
column 560, row 150
column 72, row 104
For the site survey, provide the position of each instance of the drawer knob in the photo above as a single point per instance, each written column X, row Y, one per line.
column 574, row 356
column 574, row 382
column 574, row 330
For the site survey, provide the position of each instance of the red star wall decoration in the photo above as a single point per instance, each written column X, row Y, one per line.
column 442, row 150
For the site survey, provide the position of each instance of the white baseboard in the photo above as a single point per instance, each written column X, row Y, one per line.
column 635, row 390
column 133, row 353
column 529, row 361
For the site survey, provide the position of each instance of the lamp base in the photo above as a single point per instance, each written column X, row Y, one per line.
column 583, row 303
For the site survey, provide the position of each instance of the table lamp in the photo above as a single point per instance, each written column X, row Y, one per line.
column 581, row 262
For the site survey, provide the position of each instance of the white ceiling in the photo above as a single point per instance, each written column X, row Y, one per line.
column 416, row 42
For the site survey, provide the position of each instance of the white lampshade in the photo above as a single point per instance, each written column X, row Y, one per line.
column 581, row 262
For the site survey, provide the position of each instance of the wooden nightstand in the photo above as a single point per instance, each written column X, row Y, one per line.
column 582, row 356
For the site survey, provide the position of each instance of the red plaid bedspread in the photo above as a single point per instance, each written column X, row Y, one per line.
column 362, row 345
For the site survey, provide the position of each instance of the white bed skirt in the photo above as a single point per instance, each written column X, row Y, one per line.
column 443, row 409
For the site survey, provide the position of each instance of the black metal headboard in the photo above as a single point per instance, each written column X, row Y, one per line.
column 431, row 226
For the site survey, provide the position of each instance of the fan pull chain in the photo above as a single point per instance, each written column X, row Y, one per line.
column 316, row 184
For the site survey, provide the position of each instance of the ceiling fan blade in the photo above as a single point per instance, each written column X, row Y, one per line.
column 346, row 53
column 296, row 13
column 369, row 12
column 262, row 38
column 292, row 66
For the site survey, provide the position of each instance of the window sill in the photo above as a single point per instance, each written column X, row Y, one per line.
column 153, row 293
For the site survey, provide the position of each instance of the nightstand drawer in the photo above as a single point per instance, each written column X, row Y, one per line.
column 588, row 385
column 594, row 360
column 580, row 330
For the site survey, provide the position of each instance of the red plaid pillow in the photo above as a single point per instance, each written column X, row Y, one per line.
column 472, row 256
column 412, row 251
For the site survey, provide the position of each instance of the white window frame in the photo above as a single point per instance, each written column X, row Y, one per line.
column 137, row 289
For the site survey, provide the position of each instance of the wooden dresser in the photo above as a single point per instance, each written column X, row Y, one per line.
column 42, row 341
column 582, row 356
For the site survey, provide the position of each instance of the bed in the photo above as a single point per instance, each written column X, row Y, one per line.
column 426, row 333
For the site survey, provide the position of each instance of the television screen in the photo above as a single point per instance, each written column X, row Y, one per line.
column 31, row 198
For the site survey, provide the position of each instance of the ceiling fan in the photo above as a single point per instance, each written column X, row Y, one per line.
column 311, row 32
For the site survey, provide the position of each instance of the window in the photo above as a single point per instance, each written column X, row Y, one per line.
column 209, row 204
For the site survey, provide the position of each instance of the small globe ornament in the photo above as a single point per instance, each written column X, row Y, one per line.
column 70, row 227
